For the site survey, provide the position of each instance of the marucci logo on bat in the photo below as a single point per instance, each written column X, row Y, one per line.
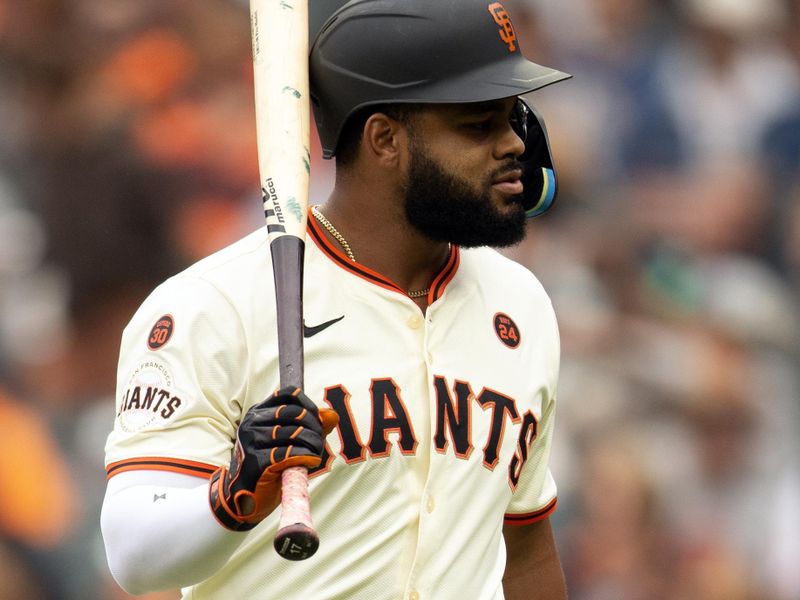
column 270, row 194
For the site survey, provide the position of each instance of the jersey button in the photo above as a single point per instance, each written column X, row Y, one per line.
column 413, row 595
column 431, row 504
column 415, row 322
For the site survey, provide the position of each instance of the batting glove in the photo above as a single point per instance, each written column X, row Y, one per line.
column 285, row 430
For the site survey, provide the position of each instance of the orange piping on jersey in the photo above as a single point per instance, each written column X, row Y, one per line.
column 341, row 260
column 446, row 275
column 338, row 257
column 149, row 463
column 532, row 517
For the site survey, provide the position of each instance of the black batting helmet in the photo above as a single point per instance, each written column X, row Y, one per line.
column 372, row 52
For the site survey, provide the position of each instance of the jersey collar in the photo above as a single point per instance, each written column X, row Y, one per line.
column 334, row 253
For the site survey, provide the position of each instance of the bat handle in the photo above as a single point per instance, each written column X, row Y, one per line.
column 296, row 538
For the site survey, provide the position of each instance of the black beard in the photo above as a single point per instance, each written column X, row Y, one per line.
column 447, row 209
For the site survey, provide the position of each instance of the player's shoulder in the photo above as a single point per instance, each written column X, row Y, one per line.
column 497, row 285
column 222, row 281
column 496, row 273
column 248, row 254
column 230, row 271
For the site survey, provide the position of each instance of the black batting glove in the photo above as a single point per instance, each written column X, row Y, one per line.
column 285, row 430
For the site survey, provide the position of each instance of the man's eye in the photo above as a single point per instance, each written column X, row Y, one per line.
column 483, row 125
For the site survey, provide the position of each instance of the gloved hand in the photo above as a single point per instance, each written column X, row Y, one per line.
column 285, row 430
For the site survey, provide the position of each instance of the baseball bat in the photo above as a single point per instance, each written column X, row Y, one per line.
column 279, row 30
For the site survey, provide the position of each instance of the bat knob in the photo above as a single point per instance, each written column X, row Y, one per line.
column 296, row 542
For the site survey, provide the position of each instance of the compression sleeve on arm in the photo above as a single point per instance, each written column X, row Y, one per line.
column 159, row 532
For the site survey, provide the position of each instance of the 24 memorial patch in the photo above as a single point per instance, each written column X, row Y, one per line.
column 506, row 330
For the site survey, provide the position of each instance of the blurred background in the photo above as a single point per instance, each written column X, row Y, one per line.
column 127, row 151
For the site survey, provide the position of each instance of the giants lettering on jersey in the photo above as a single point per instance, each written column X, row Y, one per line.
column 149, row 398
column 453, row 428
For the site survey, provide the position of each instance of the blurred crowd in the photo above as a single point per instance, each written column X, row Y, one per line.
column 127, row 151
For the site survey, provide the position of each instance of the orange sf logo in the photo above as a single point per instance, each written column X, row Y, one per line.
column 501, row 17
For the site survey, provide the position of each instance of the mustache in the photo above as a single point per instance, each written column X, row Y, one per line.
column 509, row 167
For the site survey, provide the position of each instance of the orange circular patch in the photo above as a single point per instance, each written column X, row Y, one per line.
column 161, row 332
column 506, row 330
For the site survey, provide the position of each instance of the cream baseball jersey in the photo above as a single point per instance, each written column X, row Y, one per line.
column 446, row 417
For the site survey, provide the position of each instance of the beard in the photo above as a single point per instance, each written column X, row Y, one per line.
column 447, row 208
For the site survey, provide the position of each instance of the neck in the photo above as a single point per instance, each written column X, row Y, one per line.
column 382, row 239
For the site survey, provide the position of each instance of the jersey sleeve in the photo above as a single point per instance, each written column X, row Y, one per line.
column 181, row 382
column 535, row 496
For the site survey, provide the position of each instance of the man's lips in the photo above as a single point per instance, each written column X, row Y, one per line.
column 510, row 183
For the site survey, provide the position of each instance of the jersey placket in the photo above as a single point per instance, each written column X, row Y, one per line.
column 430, row 535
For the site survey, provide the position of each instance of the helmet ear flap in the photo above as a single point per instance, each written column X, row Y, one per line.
column 539, row 176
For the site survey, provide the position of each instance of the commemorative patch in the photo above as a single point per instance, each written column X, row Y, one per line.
column 161, row 332
column 149, row 398
column 506, row 330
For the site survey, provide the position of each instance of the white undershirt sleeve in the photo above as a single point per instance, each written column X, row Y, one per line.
column 159, row 532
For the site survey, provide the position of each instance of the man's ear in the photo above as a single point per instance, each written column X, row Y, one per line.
column 384, row 139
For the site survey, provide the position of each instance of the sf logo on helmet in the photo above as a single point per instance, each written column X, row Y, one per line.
column 501, row 17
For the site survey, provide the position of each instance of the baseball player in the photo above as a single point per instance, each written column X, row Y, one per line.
column 431, row 360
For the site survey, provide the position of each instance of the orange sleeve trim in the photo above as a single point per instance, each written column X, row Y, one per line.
column 532, row 517
column 175, row 465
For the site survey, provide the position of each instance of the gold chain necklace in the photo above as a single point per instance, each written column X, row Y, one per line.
column 334, row 232
column 349, row 252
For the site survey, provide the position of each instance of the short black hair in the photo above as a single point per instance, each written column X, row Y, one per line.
column 353, row 130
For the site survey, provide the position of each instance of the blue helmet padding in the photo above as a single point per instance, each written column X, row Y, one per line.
column 539, row 176
column 547, row 196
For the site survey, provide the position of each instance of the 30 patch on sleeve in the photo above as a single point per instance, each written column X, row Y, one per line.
column 161, row 332
column 149, row 398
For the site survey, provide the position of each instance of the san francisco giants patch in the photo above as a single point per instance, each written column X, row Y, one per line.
column 149, row 399
column 506, row 330
column 161, row 332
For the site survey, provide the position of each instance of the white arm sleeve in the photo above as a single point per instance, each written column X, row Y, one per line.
column 159, row 532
